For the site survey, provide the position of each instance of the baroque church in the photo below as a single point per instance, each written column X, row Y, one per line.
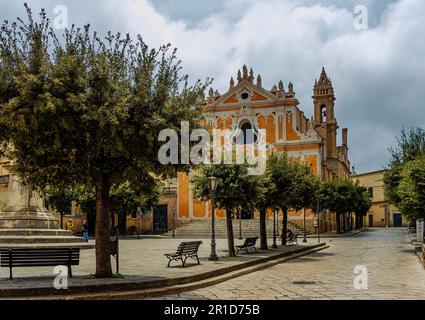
column 248, row 105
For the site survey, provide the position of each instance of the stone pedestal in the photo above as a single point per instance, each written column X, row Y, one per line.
column 25, row 222
column 25, row 209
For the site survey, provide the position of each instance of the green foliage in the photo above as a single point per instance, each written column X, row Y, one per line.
column 344, row 198
column 411, row 190
column 293, row 185
column 410, row 146
column 60, row 200
column 235, row 188
column 338, row 196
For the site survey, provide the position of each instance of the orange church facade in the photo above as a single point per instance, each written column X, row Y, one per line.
column 246, row 104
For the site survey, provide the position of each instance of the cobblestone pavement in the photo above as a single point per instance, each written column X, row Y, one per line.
column 140, row 259
column 394, row 272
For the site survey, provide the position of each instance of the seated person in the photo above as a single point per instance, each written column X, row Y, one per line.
column 289, row 233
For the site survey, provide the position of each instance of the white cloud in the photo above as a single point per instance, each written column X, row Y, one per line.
column 378, row 73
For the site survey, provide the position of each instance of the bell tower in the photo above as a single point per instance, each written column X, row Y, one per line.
column 324, row 116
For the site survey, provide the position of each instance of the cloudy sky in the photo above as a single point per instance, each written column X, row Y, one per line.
column 378, row 73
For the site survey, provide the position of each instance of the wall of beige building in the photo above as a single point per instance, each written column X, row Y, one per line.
column 382, row 213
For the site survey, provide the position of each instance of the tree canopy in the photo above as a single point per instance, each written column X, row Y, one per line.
column 411, row 190
column 410, row 146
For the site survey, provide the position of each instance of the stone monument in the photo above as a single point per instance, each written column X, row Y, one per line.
column 25, row 221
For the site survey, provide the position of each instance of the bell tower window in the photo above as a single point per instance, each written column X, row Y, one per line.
column 323, row 113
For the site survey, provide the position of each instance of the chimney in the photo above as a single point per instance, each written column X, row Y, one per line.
column 344, row 136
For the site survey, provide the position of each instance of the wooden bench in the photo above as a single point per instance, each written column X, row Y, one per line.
column 248, row 245
column 39, row 257
column 185, row 250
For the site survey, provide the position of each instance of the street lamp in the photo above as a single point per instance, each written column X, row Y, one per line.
column 213, row 186
column 174, row 222
column 318, row 222
column 240, row 224
column 274, row 230
column 305, row 235
column 139, row 217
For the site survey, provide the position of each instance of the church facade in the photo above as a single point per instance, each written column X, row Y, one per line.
column 248, row 105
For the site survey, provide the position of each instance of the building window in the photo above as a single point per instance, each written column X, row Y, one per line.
column 244, row 95
column 370, row 191
column 247, row 135
column 323, row 113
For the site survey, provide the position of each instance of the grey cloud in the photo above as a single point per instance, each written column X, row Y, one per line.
column 378, row 73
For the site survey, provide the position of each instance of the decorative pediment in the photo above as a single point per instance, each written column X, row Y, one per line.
column 244, row 92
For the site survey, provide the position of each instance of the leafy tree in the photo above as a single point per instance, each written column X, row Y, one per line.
column 336, row 198
column 411, row 190
column 87, row 110
column 410, row 146
column 361, row 204
column 235, row 189
column 60, row 200
column 294, row 183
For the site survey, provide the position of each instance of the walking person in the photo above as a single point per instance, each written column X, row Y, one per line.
column 86, row 230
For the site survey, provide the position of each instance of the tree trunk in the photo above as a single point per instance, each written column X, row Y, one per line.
column 345, row 222
column 338, row 223
column 103, row 259
column 230, row 241
column 284, row 225
column 112, row 223
column 263, row 230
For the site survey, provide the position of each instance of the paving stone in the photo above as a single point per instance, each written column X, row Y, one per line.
column 394, row 272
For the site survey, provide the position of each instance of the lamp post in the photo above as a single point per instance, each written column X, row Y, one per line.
column 305, row 235
column 274, row 230
column 318, row 227
column 318, row 222
column 240, row 224
column 139, row 217
column 213, row 185
column 174, row 222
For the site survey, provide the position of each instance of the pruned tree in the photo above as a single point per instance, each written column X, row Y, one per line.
column 411, row 190
column 87, row 110
column 295, row 186
column 410, row 146
column 235, row 189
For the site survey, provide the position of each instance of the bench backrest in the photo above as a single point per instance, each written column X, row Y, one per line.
column 250, row 241
column 188, row 247
column 39, row 256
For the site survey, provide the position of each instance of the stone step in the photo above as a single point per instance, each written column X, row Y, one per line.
column 35, row 232
column 39, row 239
column 250, row 228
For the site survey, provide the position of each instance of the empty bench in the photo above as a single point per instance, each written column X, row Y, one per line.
column 39, row 257
column 188, row 249
column 248, row 245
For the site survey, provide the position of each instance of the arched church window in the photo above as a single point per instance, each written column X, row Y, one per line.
column 247, row 134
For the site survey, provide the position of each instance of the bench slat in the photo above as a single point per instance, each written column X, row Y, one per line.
column 39, row 257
